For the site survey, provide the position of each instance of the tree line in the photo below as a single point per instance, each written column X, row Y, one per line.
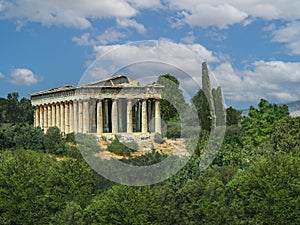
column 253, row 180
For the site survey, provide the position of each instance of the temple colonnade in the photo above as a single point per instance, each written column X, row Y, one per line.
column 100, row 116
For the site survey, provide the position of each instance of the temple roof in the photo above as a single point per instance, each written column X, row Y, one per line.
column 120, row 80
column 116, row 81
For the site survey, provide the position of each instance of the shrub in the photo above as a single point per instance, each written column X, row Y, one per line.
column 71, row 138
column 123, row 149
column 53, row 141
column 147, row 159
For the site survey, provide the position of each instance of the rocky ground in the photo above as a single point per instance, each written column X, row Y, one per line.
column 169, row 146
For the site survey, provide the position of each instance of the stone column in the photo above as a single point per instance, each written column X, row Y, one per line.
column 86, row 118
column 157, row 117
column 45, row 125
column 41, row 123
column 71, row 117
column 114, row 116
column 75, row 113
column 57, row 115
column 49, row 119
column 105, row 116
column 67, row 122
column 99, row 117
column 144, row 117
column 53, row 122
column 129, row 116
column 36, row 117
column 62, row 117
column 80, row 114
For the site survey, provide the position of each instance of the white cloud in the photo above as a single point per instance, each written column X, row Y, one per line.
column 289, row 35
column 146, row 3
column 110, row 36
column 149, row 59
column 189, row 39
column 83, row 40
column 1, row 75
column 273, row 80
column 223, row 13
column 70, row 13
column 124, row 22
column 205, row 15
column 22, row 76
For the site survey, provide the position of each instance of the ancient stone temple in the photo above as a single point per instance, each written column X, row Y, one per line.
column 113, row 106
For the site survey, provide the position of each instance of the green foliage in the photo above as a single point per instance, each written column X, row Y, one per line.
column 21, row 136
column 259, row 124
column 14, row 111
column 233, row 116
column 35, row 186
column 124, row 205
column 72, row 214
column 202, row 106
column 123, row 149
column 286, row 135
column 231, row 152
column 173, row 128
column 253, row 180
column 149, row 158
column 172, row 98
column 71, row 138
column 267, row 193
column 54, row 142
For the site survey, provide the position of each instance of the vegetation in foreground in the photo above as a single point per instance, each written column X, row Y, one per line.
column 253, row 180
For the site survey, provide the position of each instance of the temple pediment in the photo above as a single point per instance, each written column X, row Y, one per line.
column 120, row 80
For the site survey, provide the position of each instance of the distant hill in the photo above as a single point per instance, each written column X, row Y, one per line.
column 294, row 109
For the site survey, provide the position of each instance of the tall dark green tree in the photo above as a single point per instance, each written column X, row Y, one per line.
column 172, row 98
column 54, row 142
column 233, row 116
column 14, row 111
column 202, row 106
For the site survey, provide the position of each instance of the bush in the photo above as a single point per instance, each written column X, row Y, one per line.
column 147, row 159
column 53, row 141
column 123, row 149
column 71, row 138
column 174, row 129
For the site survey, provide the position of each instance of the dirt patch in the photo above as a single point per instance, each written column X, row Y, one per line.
column 169, row 147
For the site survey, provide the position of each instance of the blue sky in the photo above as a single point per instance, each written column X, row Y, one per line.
column 252, row 47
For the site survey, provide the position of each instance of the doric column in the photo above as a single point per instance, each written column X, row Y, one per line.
column 75, row 115
column 80, row 114
column 67, row 122
column 62, row 117
column 71, row 117
column 41, row 123
column 114, row 116
column 99, row 117
column 105, row 116
column 45, row 125
column 36, row 117
column 57, row 115
column 144, row 117
column 86, row 118
column 49, row 119
column 129, row 116
column 53, row 115
column 157, row 117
